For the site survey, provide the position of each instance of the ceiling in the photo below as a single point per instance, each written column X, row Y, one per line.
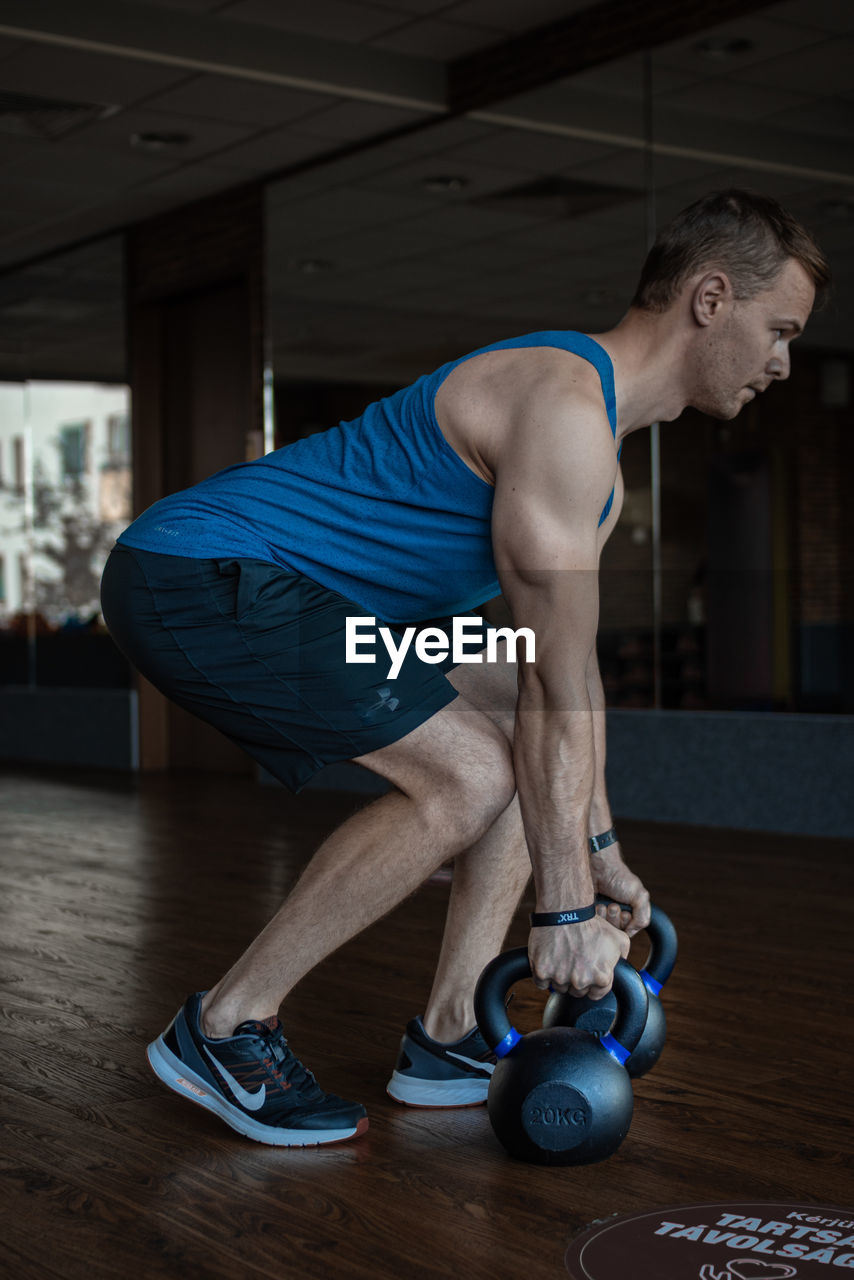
column 401, row 230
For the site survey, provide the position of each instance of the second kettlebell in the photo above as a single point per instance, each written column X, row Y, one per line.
column 598, row 1015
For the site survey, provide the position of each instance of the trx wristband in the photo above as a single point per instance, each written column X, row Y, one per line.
column 575, row 915
column 602, row 842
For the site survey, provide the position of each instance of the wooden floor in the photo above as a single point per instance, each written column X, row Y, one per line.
column 118, row 898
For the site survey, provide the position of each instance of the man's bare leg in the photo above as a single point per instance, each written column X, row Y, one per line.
column 489, row 878
column 453, row 777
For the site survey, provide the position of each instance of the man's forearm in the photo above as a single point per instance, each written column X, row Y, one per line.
column 600, row 810
column 554, row 761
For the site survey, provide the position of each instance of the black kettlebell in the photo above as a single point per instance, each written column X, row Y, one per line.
column 598, row 1015
column 560, row 1095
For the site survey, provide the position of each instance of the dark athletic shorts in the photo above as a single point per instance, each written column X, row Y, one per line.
column 259, row 652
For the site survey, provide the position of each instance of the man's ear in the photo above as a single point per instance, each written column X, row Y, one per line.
column 711, row 295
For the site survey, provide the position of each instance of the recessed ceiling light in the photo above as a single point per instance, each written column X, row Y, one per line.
column 154, row 141
column 444, row 182
column 721, row 47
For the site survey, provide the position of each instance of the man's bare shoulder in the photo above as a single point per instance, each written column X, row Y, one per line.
column 494, row 403
column 554, row 472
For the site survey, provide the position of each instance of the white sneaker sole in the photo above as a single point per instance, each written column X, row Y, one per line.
column 174, row 1073
column 437, row 1093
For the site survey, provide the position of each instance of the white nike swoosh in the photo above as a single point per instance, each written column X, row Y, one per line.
column 252, row 1101
column 472, row 1062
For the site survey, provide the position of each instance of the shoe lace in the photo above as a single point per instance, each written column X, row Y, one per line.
column 287, row 1067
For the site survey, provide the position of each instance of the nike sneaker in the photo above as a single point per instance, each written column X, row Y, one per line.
column 252, row 1081
column 431, row 1074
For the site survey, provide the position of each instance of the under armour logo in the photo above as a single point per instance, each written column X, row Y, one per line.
column 385, row 700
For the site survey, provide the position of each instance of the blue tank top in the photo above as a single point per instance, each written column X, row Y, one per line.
column 380, row 509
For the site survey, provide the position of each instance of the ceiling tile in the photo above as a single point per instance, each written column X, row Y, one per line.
column 624, row 78
column 188, row 6
column 239, row 101
column 561, row 236
column 15, row 150
column 468, row 222
column 734, row 99
column 828, row 15
column 564, row 104
column 113, row 136
column 346, row 211
column 190, row 182
column 673, row 199
column 822, row 68
column 100, row 169
column 442, row 134
column 416, row 275
column 95, row 261
column 43, row 199
column 334, row 19
column 716, row 139
column 827, row 211
column 628, row 168
column 85, row 77
column 13, row 221
column 496, row 257
column 511, row 16
column 350, row 120
column 385, row 244
column 834, row 236
column 275, row 149
column 413, row 6
column 10, row 46
column 296, row 187
column 524, row 149
column 829, row 118
column 767, row 37
column 480, row 179
column 441, row 41
column 334, row 174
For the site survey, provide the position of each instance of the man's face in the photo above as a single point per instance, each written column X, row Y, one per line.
column 749, row 348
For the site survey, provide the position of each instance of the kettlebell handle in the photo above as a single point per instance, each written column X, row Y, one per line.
column 663, row 946
column 513, row 966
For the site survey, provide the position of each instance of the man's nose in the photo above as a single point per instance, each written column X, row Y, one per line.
column 779, row 366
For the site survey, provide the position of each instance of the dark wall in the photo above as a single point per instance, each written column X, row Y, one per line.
column 196, row 308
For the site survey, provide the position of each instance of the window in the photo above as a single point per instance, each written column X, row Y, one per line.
column 118, row 440
column 73, row 448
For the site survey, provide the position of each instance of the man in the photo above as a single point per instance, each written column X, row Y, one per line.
column 500, row 470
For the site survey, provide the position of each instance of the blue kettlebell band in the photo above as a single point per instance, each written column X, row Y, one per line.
column 653, row 987
column 616, row 1050
column 509, row 1042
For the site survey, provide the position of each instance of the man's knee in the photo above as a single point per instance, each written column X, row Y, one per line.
column 476, row 784
column 457, row 767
